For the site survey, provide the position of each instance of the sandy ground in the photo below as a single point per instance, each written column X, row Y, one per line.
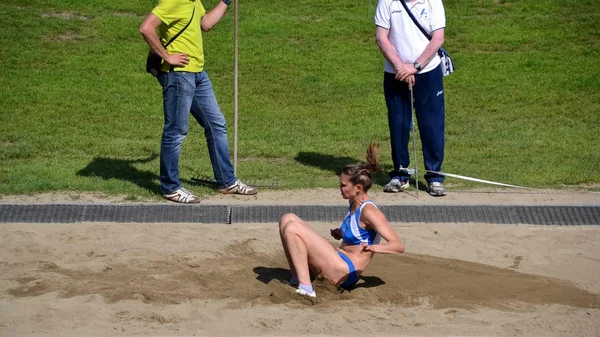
column 332, row 197
column 115, row 279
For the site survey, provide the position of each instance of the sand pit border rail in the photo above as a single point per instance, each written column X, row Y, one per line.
column 237, row 214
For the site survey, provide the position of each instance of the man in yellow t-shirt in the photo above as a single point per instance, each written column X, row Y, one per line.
column 188, row 89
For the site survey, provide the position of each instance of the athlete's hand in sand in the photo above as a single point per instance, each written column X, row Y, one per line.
column 335, row 233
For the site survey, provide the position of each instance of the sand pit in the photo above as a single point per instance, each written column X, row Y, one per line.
column 112, row 279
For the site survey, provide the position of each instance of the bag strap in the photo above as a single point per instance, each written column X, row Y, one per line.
column 440, row 51
column 181, row 31
column 414, row 19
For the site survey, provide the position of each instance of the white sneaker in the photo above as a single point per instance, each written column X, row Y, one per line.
column 395, row 186
column 183, row 196
column 436, row 189
column 239, row 188
column 303, row 292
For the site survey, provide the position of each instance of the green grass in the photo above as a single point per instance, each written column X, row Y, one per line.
column 79, row 113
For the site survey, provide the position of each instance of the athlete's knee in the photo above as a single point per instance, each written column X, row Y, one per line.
column 293, row 228
column 287, row 218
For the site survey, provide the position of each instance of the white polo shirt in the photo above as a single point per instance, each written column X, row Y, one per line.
column 404, row 35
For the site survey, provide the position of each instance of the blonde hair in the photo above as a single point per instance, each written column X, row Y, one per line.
column 361, row 173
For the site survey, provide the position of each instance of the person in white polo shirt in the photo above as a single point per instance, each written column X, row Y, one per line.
column 411, row 61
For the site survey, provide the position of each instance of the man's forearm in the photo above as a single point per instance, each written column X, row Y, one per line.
column 148, row 31
column 154, row 43
column 387, row 49
column 437, row 40
column 390, row 54
column 210, row 19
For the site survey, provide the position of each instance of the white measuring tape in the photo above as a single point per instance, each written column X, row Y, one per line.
column 475, row 179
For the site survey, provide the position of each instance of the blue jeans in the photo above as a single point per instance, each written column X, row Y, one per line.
column 428, row 94
column 185, row 93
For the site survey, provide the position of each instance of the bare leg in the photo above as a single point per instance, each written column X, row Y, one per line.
column 285, row 219
column 298, row 254
column 303, row 245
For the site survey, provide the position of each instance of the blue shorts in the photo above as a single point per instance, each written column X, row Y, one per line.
column 352, row 274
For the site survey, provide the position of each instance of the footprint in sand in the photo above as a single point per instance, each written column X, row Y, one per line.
column 517, row 262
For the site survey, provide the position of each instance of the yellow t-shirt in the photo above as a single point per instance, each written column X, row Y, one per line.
column 175, row 14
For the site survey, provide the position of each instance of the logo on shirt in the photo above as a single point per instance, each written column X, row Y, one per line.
column 440, row 92
column 396, row 11
column 423, row 14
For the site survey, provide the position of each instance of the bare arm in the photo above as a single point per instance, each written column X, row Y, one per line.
column 148, row 31
column 437, row 40
column 375, row 219
column 386, row 47
column 390, row 53
column 210, row 19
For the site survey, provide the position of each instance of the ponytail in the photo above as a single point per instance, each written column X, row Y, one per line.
column 361, row 173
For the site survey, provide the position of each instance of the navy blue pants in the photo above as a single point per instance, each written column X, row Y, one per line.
column 428, row 94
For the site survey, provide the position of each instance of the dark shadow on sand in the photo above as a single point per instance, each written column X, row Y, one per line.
column 266, row 274
column 369, row 282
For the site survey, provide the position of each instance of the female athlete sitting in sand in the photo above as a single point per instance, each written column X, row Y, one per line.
column 360, row 232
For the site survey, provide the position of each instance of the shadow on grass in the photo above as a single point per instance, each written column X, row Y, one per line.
column 112, row 168
column 336, row 164
column 324, row 161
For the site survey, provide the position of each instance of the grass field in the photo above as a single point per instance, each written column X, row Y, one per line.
column 79, row 113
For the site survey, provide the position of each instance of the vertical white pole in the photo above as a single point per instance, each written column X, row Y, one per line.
column 413, row 115
column 235, row 84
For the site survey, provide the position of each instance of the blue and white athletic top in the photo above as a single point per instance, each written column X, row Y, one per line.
column 353, row 234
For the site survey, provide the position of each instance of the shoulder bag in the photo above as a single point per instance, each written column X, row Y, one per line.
column 447, row 65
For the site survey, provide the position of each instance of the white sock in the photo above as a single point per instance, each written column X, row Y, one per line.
column 306, row 287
